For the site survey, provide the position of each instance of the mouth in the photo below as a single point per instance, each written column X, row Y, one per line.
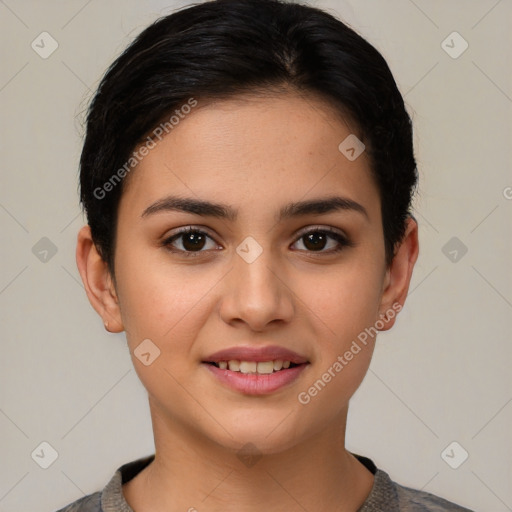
column 254, row 367
column 256, row 371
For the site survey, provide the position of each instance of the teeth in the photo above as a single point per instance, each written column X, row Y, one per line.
column 234, row 366
column 262, row 367
column 248, row 366
column 265, row 367
column 278, row 365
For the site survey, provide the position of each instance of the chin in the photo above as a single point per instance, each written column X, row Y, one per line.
column 258, row 437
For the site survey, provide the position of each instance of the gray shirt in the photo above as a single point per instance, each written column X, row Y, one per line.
column 385, row 496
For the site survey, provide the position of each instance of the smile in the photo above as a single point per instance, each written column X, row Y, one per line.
column 247, row 367
column 251, row 378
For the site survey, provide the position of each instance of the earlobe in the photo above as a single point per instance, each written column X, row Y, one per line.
column 398, row 276
column 98, row 281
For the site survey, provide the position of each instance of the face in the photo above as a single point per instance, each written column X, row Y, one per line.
column 266, row 267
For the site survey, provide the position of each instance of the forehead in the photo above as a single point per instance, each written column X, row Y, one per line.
column 254, row 148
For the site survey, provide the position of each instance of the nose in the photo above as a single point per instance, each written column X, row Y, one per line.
column 257, row 293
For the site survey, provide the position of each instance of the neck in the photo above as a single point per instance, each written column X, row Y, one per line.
column 193, row 473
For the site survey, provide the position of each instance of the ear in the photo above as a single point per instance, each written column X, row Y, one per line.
column 398, row 276
column 98, row 282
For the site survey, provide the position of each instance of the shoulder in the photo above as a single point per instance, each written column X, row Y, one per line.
column 420, row 501
column 89, row 503
column 111, row 497
column 392, row 497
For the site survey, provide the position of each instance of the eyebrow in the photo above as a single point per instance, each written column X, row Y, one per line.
column 320, row 206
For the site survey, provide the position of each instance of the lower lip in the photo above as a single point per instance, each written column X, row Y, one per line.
column 254, row 383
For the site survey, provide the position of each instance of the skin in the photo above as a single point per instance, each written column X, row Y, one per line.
column 256, row 155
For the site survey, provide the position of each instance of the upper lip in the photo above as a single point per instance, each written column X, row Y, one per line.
column 258, row 354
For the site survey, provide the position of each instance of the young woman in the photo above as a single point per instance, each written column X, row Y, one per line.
column 247, row 175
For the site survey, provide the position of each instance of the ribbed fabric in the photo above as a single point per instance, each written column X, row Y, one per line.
column 385, row 496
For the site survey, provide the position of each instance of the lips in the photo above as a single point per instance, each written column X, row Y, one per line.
column 256, row 370
column 256, row 354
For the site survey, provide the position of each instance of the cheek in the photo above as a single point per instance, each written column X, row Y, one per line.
column 161, row 301
column 169, row 309
column 345, row 304
column 343, row 301
column 345, row 308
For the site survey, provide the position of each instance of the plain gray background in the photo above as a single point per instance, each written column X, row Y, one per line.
column 442, row 374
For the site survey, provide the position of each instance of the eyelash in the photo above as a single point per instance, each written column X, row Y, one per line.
column 342, row 240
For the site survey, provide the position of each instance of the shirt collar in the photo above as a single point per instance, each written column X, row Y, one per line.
column 383, row 495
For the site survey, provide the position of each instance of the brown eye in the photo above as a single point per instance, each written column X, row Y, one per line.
column 317, row 239
column 191, row 241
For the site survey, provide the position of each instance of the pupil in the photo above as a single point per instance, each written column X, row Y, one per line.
column 196, row 241
column 314, row 238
